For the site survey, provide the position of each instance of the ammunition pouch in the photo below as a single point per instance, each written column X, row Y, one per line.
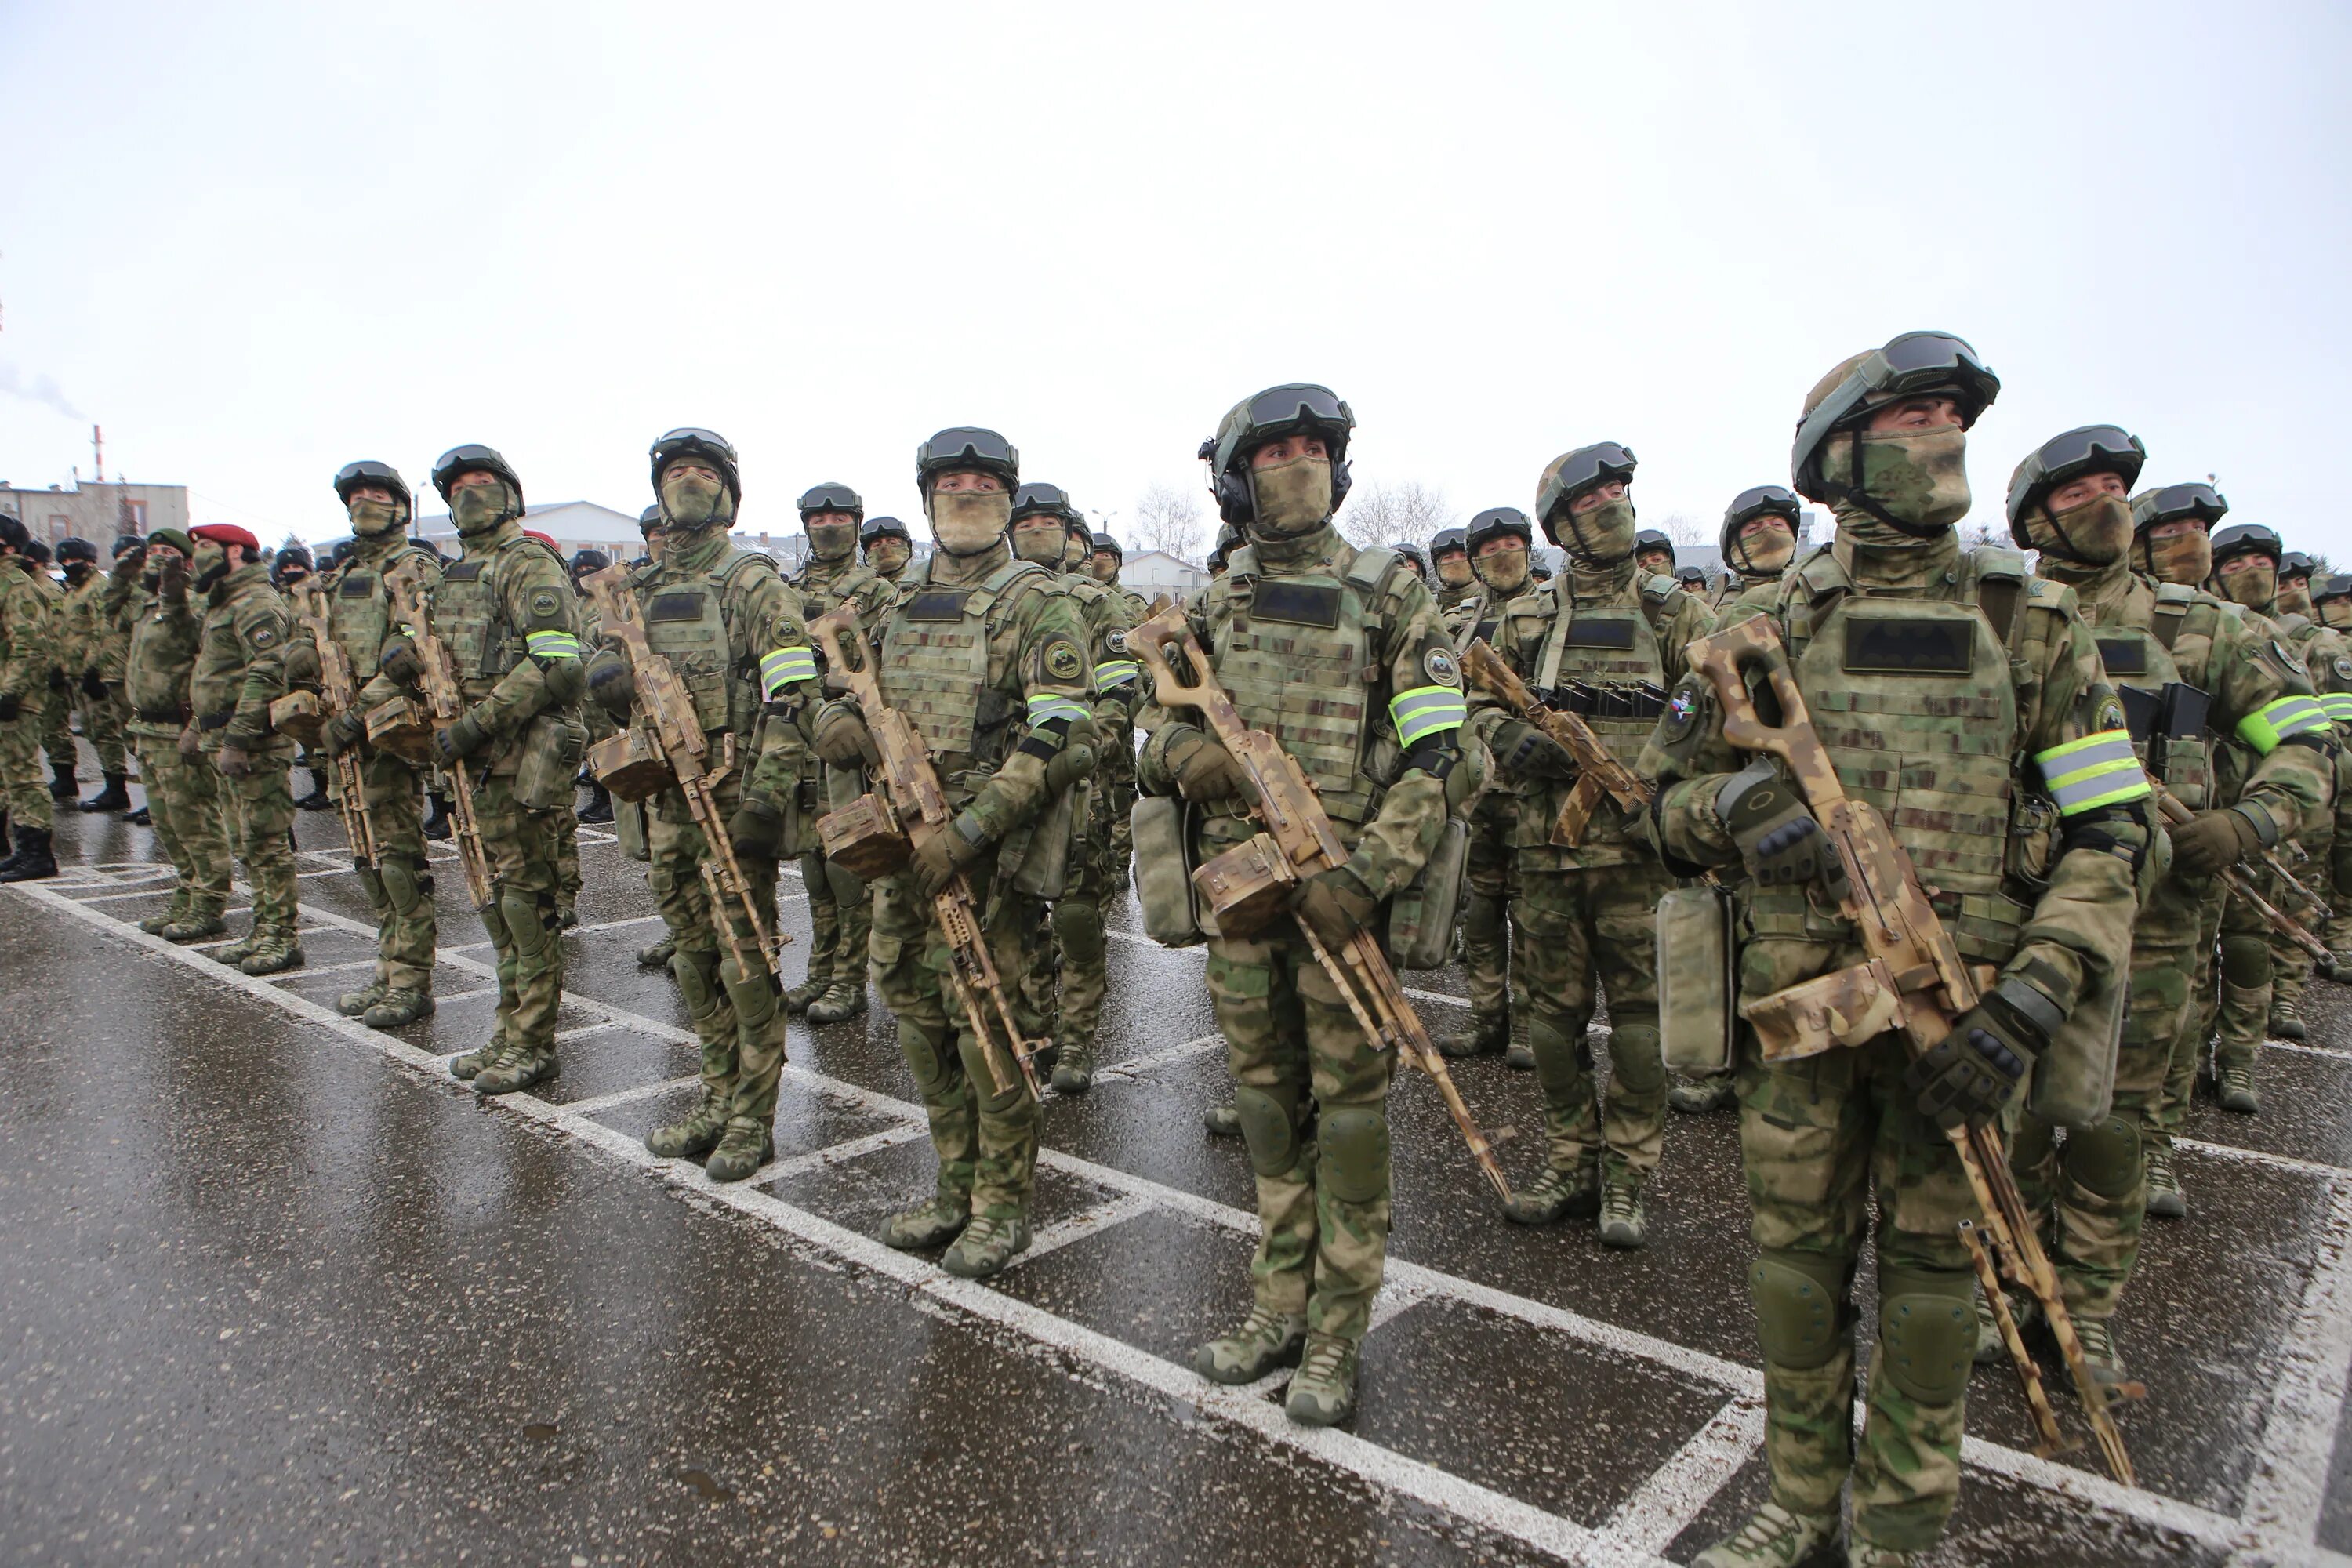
column 1037, row 856
column 866, row 836
column 1161, row 826
column 1699, row 985
column 1420, row 916
column 2073, row 1083
column 296, row 714
column 547, row 765
column 629, row 827
column 630, row 765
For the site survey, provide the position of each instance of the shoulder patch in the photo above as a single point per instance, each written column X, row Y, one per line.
column 1062, row 660
column 1439, row 663
column 265, row 636
column 1116, row 643
column 2343, row 667
column 544, row 605
column 2286, row 656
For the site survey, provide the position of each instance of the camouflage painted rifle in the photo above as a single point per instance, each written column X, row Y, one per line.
column 1597, row 771
column 1302, row 844
column 920, row 804
column 342, row 689
column 1915, row 980
column 670, row 723
column 412, row 605
column 2237, row 882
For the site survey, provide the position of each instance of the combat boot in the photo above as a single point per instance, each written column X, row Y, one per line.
column 987, row 1245
column 198, row 924
column 277, row 950
column 1484, row 1037
column 33, row 860
column 566, row 916
column 235, row 953
column 1701, row 1096
column 842, row 999
column 599, row 808
column 1520, row 1057
column 696, row 1133
column 1622, row 1223
column 171, row 914
column 138, row 818
column 2099, row 1351
column 1772, row 1538
column 2237, row 1082
column 63, row 786
column 1556, row 1195
column 355, row 1004
column 1075, row 1072
column 398, row 1009
column 1991, row 1349
column 1223, row 1121
column 742, row 1149
column 941, row 1220
column 2165, row 1198
column 1265, row 1341
column 517, row 1067
column 800, row 998
column 2286, row 1022
column 115, row 796
column 1323, row 1390
column 437, row 821
column 467, row 1066
column 658, row 956
column 317, row 800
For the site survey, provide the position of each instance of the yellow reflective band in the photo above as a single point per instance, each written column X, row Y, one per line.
column 1115, row 672
column 2339, row 705
column 2273, row 723
column 1049, row 705
column 1427, row 710
column 2097, row 770
column 552, row 645
column 785, row 666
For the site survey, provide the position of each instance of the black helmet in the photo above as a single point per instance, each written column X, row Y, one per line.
column 1228, row 536
column 2339, row 586
column 124, row 543
column 1691, row 576
column 367, row 471
column 2249, row 538
column 1654, row 539
column 473, row 459
column 1278, row 411
column 12, row 533
column 649, row 521
column 76, row 548
column 878, row 527
column 1758, row 501
column 1571, row 474
column 708, row 445
column 1496, row 521
column 2295, row 564
column 1907, row 365
column 967, row 446
column 831, row 497
column 1104, row 544
column 1412, row 552
column 1448, row 541
column 1039, row 499
column 2169, row 503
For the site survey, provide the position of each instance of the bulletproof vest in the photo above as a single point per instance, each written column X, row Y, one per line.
column 359, row 612
column 1093, row 608
column 1300, row 656
column 2165, row 712
column 933, row 662
column 826, row 586
column 1601, row 662
column 469, row 615
column 686, row 623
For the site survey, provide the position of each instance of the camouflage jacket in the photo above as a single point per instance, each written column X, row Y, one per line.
column 1109, row 615
column 354, row 599
column 81, row 640
column 28, row 630
column 240, row 666
column 1450, row 598
column 161, row 661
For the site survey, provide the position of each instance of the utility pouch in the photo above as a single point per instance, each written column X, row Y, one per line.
column 1843, row 1007
column 547, row 771
column 1248, row 887
column 1161, row 827
column 1697, row 988
column 1044, row 871
column 864, row 837
column 2074, row 1080
column 399, row 727
column 1420, row 916
column 630, row 765
column 629, row 826
column 296, row 715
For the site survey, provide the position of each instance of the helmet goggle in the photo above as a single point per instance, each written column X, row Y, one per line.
column 1912, row 364
column 2339, row 587
column 352, row 476
column 649, row 521
column 832, row 497
column 1104, row 544
column 1580, row 471
column 1496, row 521
column 967, row 446
column 2063, row 459
column 2172, row 502
column 885, row 527
column 688, row 439
column 473, row 459
column 1280, row 411
column 1762, row 501
column 1042, row 500
column 1448, row 541
column 2248, row 539
column 2295, row 564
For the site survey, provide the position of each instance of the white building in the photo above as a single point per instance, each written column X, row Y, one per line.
column 1153, row 572
column 97, row 513
column 574, row 525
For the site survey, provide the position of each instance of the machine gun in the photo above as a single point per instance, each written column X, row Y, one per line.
column 1251, row 881
column 875, row 836
column 1913, row 980
column 1597, row 771
column 669, row 723
column 412, row 605
column 340, row 687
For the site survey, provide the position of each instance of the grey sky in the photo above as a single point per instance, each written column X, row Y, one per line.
column 260, row 241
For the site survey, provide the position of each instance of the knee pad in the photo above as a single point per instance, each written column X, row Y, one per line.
column 372, row 884
column 1482, row 918
column 2246, row 961
column 1269, row 1126
column 1353, row 1165
column 2105, row 1158
column 401, row 884
column 812, row 875
column 1558, row 1062
column 1926, row 1332
column 1800, row 1308
column 1078, row 927
column 494, row 920
column 693, row 969
column 526, row 922
column 754, row 995
column 926, row 1059
column 848, row 890
column 1633, row 1056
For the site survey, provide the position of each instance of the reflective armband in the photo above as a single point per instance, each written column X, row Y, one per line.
column 1427, row 710
column 2096, row 771
column 2339, row 706
column 784, row 667
column 1114, row 672
column 552, row 645
column 2274, row 723
column 1049, row 705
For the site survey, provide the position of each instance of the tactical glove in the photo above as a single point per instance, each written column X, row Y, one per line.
column 1965, row 1077
column 464, row 737
column 399, row 661
column 1521, row 748
column 609, row 682
column 2212, row 840
column 10, row 706
column 1780, row 842
column 234, row 761
column 756, row 831
column 127, row 564
column 344, row 732
column 1333, row 904
column 58, row 681
column 92, row 685
column 1205, row 770
column 302, row 665
column 841, row 737
column 172, row 580
column 941, row 855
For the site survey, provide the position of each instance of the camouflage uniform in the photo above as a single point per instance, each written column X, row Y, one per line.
column 1490, row 872
column 240, row 670
column 57, row 720
column 841, row 908
column 83, row 655
column 27, row 633
column 2326, row 658
column 1114, row 782
column 183, row 793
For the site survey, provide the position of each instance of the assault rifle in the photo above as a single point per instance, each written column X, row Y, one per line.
column 670, row 723
column 412, row 605
column 876, row 837
column 1913, row 980
column 342, row 689
column 2237, row 882
column 1597, row 771
column 1297, row 843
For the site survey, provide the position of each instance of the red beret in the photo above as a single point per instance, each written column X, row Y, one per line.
column 546, row 539
column 228, row 534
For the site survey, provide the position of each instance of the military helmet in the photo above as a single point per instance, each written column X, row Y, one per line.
column 1909, row 365
column 831, row 497
column 473, row 458
column 1693, row 577
column 1037, row 499
column 13, row 532
column 2295, row 564
column 1654, row 539
column 1286, row 410
column 367, row 471
column 2169, row 503
column 687, row 441
column 2061, row 459
column 967, row 446
column 1756, row 500
column 1571, row 474
column 1448, row 541
column 1228, row 536
column 1494, row 522
column 2339, row 586
column 1104, row 544
column 75, row 548
column 881, row 527
column 1412, row 552
column 124, row 543
column 2249, row 538
column 649, row 521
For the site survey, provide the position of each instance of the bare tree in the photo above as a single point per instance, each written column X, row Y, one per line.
column 1171, row 519
column 1383, row 515
column 1685, row 529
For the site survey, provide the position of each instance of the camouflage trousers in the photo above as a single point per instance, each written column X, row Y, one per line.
column 841, row 919
column 400, row 886
column 2338, row 871
column 184, row 805
column 736, row 1005
column 2092, row 1186
column 2243, row 1019
column 985, row 1137
column 567, row 858
column 1491, row 883
column 24, row 794
column 1818, row 1137
column 2290, row 964
column 258, row 810
column 520, row 917
column 57, row 726
column 1568, row 927
column 2188, row 1055
column 1312, row 1092
column 101, row 726
column 1064, row 989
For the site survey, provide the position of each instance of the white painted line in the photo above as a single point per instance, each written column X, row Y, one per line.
column 597, row 1102
column 1078, row 1227
column 158, row 890
column 2301, row 1049
column 1678, row 1491
column 596, row 1029
column 308, row 969
column 474, row 994
column 842, row 1154
column 612, row 925
column 2289, row 1485
column 1201, row 952
column 1184, row 1050
column 1394, row 1302
column 2263, row 1157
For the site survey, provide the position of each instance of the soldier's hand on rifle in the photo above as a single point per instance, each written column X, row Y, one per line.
column 1780, row 842
column 342, row 732
column 1333, row 904
column 466, row 735
column 756, row 831
column 234, row 761
column 2214, row 839
column 941, row 854
column 399, row 661
column 1965, row 1078
column 609, row 681
column 1521, row 748
column 302, row 665
column 1205, row 770
column 841, row 737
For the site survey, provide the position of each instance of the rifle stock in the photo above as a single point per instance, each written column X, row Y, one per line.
column 341, row 688
column 1304, row 843
column 412, row 602
column 1913, row 959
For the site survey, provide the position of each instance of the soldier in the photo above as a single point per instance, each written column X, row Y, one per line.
column 1413, row 556
column 244, row 663
column 1975, row 671
column 57, row 733
column 358, row 611
column 888, row 547
column 1654, row 554
column 118, row 610
column 507, row 613
column 986, row 657
column 183, row 791
column 28, row 630
column 291, row 575
column 1456, row 583
column 82, row 654
column 2327, row 656
column 840, row 910
column 1758, row 541
column 2332, row 603
column 1104, row 560
column 1341, row 654
column 1228, row 536
column 2163, row 645
column 599, row 809
column 649, row 529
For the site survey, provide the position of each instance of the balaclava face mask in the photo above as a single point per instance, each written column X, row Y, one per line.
column 2295, row 595
column 1601, row 537
column 968, row 522
column 208, row 566
column 2336, row 612
column 1105, row 569
column 694, row 497
column 887, row 555
column 2256, row 587
column 2185, row 559
column 372, row 518
column 1039, row 540
column 1765, row 554
column 1917, row 478
column 477, row 508
column 77, row 572
column 830, row 542
column 1506, row 570
column 1454, row 571
column 1293, row 497
column 2095, row 533
column 1077, row 553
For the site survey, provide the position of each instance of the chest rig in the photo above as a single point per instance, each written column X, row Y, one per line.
column 469, row 615
column 1301, row 656
column 933, row 662
column 359, row 612
column 1603, row 663
column 2166, row 713
column 685, row 618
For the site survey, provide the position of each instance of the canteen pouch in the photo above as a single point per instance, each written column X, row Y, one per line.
column 398, row 728
column 1697, row 989
column 2074, row 1082
column 1248, row 887
column 296, row 715
column 629, row 826
column 630, row 765
column 864, row 839
column 1040, row 851
column 1160, row 825
column 547, row 770
column 1843, row 1007
column 1420, row 916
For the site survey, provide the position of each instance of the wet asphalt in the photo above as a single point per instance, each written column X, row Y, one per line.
column 273, row 1288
